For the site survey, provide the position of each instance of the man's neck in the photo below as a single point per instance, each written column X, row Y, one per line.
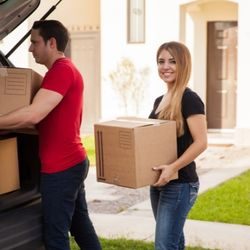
column 57, row 56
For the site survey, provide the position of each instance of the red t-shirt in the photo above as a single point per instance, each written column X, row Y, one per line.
column 60, row 144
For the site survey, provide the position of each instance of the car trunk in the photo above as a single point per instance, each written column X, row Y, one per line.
column 20, row 210
column 29, row 168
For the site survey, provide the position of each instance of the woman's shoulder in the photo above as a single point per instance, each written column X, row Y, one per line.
column 158, row 100
column 192, row 103
column 189, row 92
column 189, row 95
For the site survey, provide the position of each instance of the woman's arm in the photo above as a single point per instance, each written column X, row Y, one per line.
column 198, row 129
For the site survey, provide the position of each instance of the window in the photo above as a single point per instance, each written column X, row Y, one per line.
column 136, row 21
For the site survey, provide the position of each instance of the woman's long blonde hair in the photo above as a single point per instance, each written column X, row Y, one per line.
column 182, row 57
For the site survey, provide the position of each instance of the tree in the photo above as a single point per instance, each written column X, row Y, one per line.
column 130, row 84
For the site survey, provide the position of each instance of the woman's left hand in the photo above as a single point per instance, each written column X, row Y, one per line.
column 166, row 175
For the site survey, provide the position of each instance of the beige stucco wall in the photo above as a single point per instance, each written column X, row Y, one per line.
column 77, row 15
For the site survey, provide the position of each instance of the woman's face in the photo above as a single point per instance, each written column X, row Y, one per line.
column 166, row 67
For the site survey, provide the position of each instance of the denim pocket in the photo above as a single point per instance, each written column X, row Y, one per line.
column 194, row 188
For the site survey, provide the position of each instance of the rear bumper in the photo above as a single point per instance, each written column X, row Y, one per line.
column 21, row 228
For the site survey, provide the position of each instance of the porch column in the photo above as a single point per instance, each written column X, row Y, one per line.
column 242, row 131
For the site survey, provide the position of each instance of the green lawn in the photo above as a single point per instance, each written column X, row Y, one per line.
column 228, row 202
column 125, row 244
column 89, row 144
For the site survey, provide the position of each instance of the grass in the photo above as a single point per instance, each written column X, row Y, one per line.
column 228, row 202
column 125, row 244
column 89, row 144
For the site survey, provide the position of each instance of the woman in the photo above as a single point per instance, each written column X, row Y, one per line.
column 172, row 200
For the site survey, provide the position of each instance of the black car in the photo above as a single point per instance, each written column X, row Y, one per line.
column 20, row 210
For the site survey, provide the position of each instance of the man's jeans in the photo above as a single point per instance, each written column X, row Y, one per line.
column 171, row 204
column 65, row 209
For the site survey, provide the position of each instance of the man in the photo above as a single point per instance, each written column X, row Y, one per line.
column 56, row 110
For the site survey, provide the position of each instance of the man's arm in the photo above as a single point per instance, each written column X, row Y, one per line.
column 43, row 103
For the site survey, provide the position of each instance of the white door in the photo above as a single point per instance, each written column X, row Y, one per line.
column 85, row 53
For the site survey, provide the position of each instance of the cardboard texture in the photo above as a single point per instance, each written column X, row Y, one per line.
column 128, row 148
column 9, row 170
column 17, row 88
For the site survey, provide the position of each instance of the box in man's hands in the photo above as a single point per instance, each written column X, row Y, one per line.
column 17, row 88
column 128, row 148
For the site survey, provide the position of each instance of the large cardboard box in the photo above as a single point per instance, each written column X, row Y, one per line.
column 9, row 170
column 128, row 148
column 17, row 88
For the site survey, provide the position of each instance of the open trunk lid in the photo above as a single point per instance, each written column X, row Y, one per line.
column 13, row 13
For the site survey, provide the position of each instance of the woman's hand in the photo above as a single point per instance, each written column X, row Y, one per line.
column 167, row 171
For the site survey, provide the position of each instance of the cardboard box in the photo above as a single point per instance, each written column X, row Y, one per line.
column 9, row 170
column 128, row 148
column 17, row 88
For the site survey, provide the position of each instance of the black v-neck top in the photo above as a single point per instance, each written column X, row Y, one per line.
column 191, row 105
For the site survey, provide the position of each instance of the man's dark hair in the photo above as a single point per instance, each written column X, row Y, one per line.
column 53, row 28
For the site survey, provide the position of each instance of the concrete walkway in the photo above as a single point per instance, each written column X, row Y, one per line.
column 137, row 222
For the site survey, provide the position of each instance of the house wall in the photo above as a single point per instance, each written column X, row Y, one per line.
column 160, row 18
column 82, row 16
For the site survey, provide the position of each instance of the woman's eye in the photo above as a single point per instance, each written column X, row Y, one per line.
column 172, row 62
column 160, row 62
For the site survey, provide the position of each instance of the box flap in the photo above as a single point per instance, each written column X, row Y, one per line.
column 131, row 122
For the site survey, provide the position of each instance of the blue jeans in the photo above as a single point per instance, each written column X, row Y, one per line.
column 171, row 204
column 65, row 209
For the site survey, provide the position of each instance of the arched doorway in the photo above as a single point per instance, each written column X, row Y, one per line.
column 214, row 56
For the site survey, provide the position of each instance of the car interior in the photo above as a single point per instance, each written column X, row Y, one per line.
column 20, row 210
